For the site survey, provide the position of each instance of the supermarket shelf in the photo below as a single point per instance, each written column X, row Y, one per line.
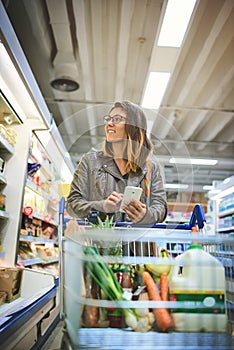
column 34, row 285
column 36, row 189
column 36, row 239
column 37, row 261
column 50, row 261
column 30, row 262
column 14, row 322
column 225, row 229
column 30, row 185
column 224, row 253
column 42, row 218
column 3, row 180
column 226, row 212
column 4, row 214
column 4, row 145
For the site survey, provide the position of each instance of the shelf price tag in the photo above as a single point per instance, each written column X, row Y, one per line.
column 28, row 211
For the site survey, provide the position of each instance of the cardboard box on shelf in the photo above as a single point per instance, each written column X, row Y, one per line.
column 3, row 296
column 10, row 282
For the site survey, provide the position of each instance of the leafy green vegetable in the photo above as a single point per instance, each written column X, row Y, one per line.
column 105, row 278
column 107, row 248
column 102, row 273
column 108, row 223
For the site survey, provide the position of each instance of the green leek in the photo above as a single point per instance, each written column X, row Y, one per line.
column 107, row 281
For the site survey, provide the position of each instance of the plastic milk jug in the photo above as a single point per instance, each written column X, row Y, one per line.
column 198, row 284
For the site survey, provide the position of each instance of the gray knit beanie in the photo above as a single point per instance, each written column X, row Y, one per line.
column 135, row 115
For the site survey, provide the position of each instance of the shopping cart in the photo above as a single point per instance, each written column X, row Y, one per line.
column 141, row 247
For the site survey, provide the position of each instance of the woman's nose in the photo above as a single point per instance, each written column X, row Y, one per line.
column 110, row 122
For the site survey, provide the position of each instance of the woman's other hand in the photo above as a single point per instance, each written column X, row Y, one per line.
column 112, row 203
column 135, row 210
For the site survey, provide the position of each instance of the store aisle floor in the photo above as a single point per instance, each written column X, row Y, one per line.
column 54, row 340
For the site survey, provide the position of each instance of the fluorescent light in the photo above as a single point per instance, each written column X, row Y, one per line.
column 175, row 22
column 15, row 90
column 155, row 89
column 196, row 161
column 227, row 180
column 208, row 187
column 179, row 186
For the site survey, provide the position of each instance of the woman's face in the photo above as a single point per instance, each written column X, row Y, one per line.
column 116, row 131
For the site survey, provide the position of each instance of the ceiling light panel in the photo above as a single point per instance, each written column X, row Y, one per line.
column 195, row 161
column 155, row 89
column 175, row 22
column 176, row 186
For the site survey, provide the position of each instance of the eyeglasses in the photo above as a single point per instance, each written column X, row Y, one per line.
column 116, row 119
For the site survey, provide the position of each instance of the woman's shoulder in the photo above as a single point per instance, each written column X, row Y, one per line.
column 93, row 158
column 93, row 154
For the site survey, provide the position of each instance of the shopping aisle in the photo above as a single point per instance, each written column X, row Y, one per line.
column 54, row 341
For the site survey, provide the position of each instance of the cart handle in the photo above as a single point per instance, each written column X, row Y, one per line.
column 197, row 218
column 61, row 210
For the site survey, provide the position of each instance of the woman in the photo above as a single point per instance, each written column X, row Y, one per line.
column 101, row 176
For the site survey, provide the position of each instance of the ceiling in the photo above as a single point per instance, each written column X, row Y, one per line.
column 109, row 47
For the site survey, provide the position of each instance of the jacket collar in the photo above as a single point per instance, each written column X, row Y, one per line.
column 109, row 165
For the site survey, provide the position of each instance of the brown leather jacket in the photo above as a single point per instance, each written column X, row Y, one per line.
column 97, row 176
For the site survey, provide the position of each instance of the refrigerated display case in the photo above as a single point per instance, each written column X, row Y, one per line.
column 30, row 307
column 222, row 198
column 38, row 247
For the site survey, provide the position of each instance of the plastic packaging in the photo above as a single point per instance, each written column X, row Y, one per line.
column 198, row 282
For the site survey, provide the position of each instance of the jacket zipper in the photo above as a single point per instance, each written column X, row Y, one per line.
column 107, row 170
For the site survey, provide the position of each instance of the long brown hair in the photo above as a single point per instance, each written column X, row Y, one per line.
column 138, row 145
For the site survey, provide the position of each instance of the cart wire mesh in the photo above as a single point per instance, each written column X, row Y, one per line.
column 142, row 246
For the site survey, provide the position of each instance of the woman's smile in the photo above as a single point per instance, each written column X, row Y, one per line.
column 115, row 132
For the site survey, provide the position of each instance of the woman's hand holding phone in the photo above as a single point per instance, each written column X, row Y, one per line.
column 131, row 204
column 135, row 210
column 128, row 203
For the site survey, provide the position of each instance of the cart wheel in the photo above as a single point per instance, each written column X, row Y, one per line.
column 65, row 343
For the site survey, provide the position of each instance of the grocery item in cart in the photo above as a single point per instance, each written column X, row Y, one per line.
column 105, row 278
column 198, row 283
column 115, row 315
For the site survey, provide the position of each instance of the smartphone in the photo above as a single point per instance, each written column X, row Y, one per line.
column 130, row 192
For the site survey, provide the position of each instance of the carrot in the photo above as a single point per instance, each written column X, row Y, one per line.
column 164, row 286
column 162, row 316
